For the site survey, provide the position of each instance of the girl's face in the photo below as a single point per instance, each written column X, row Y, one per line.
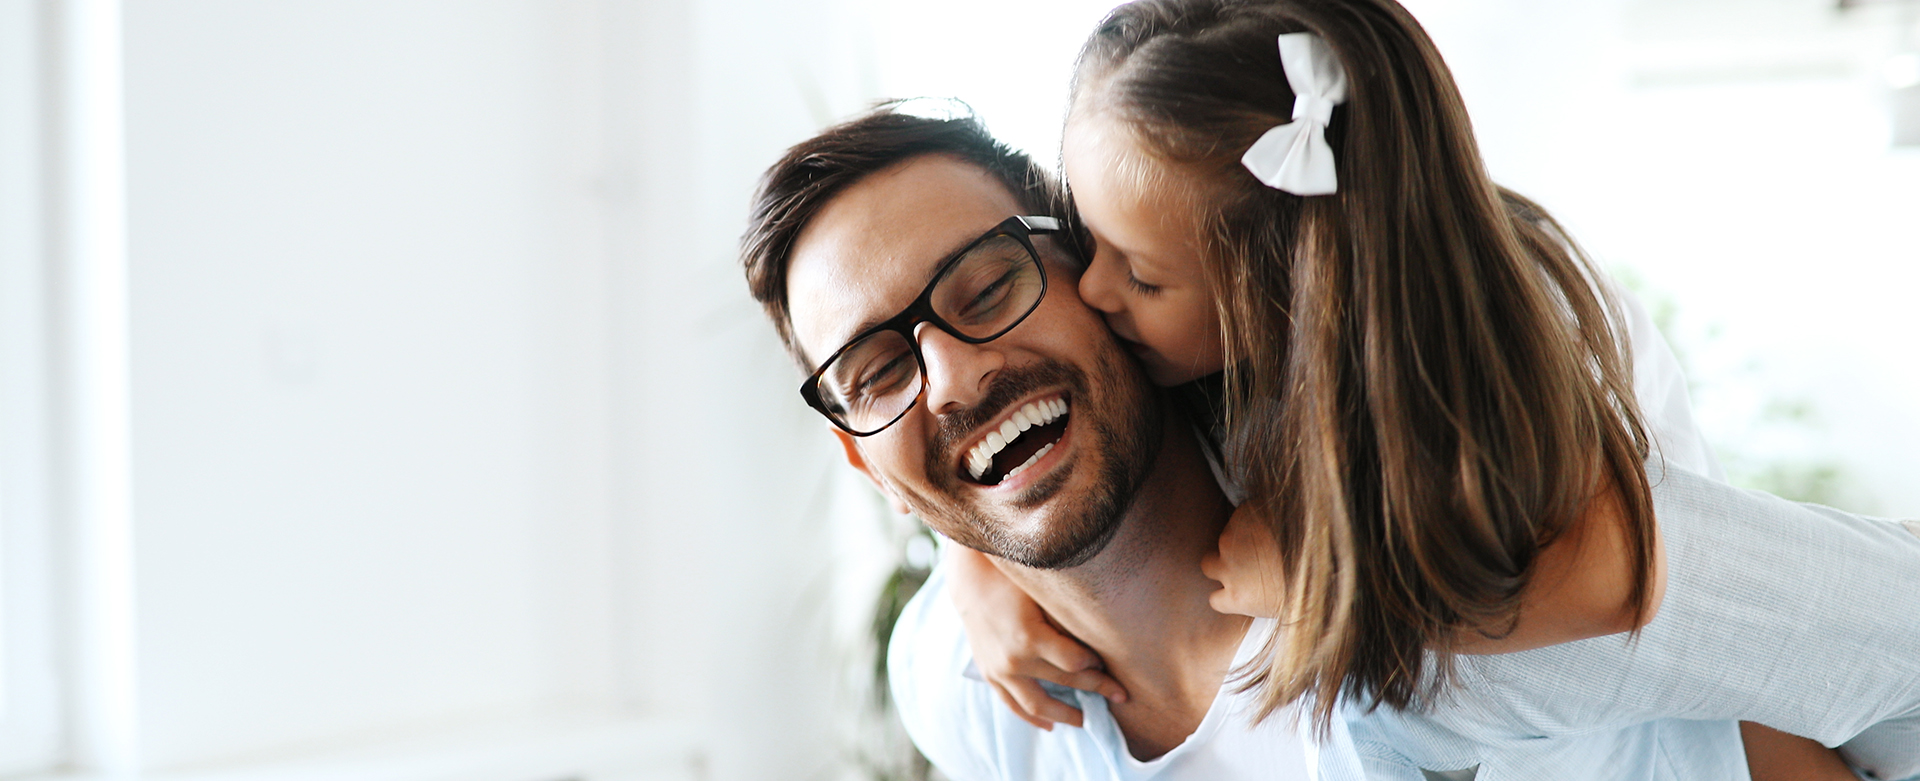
column 1146, row 271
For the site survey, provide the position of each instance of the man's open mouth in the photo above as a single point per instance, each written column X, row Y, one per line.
column 1022, row 439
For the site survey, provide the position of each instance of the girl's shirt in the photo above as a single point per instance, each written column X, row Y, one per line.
column 1800, row 617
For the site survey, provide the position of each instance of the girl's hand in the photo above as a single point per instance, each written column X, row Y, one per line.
column 1015, row 646
column 1248, row 568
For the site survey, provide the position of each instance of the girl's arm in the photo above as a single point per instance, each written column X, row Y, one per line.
column 1773, row 755
column 1581, row 586
column 1015, row 646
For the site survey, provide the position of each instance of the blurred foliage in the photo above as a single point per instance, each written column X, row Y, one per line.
column 882, row 751
column 1750, row 452
column 1805, row 478
column 900, row 587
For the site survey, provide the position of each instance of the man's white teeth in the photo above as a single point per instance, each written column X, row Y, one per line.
column 1030, row 459
column 1038, row 413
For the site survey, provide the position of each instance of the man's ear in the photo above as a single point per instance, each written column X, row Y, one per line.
column 859, row 462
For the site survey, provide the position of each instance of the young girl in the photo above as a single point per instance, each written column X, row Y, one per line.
column 1450, row 494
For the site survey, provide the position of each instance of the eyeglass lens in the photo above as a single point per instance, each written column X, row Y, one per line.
column 983, row 295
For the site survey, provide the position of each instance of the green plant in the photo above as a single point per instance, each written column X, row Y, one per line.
column 1775, row 448
column 882, row 751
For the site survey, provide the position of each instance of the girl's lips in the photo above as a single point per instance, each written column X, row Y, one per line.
column 1121, row 328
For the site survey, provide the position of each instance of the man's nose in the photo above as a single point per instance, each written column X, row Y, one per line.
column 1100, row 283
column 958, row 374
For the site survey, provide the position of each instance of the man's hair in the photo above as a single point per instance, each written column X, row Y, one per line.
column 816, row 170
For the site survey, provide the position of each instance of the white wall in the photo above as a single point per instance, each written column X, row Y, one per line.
column 448, row 401
column 718, row 455
column 30, row 697
column 368, row 361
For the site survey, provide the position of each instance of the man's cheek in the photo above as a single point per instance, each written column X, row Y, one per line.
column 904, row 499
column 897, row 502
column 919, row 504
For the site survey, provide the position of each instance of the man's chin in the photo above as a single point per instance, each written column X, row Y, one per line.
column 1047, row 489
column 1038, row 542
column 1050, row 554
column 1067, row 554
column 1057, row 523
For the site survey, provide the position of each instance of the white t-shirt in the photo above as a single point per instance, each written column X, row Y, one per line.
column 958, row 722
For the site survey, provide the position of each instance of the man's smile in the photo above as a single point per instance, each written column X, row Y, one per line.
column 1017, row 441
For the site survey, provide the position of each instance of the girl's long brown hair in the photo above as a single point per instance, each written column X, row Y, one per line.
column 1424, row 386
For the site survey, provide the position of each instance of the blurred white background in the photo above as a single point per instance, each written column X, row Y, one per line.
column 379, row 396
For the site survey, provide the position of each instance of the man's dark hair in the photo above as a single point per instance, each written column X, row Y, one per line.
column 814, row 171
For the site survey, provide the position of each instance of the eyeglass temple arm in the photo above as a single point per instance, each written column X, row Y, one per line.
column 1039, row 223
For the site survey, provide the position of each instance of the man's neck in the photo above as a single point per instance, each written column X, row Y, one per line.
column 1142, row 602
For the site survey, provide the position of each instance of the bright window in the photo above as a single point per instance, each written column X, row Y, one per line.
column 29, row 702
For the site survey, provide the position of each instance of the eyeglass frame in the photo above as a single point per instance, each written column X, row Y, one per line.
column 1019, row 228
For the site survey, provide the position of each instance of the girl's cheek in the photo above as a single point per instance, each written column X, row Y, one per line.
column 1202, row 334
column 1184, row 337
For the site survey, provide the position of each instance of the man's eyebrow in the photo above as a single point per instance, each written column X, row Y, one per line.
column 870, row 322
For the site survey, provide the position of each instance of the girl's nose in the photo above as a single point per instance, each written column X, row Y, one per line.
column 1100, row 284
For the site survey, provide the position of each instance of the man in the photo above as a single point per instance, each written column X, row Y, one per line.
column 930, row 322
column 1110, row 524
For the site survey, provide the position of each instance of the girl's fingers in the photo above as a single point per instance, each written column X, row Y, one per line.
column 1014, row 705
column 1036, row 705
column 1212, row 566
column 1070, row 664
column 1222, row 601
column 1018, row 674
column 1064, row 653
column 1095, row 681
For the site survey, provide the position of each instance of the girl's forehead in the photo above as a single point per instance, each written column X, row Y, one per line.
column 1096, row 139
column 1123, row 193
column 1104, row 158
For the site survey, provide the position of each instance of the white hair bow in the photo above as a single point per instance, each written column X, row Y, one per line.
column 1295, row 156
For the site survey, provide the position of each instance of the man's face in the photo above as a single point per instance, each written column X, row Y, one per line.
column 1075, row 470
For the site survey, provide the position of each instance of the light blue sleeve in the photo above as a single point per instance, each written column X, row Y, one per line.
column 949, row 716
column 1378, row 759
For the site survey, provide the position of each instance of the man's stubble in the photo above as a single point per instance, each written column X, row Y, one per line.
column 1125, row 418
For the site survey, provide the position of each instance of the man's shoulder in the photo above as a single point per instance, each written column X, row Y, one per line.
column 958, row 722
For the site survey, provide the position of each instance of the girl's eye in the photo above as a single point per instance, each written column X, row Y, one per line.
column 1141, row 287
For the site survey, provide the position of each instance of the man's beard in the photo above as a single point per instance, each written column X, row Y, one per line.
column 1125, row 423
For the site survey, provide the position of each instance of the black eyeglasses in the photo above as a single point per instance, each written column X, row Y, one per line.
column 977, row 296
